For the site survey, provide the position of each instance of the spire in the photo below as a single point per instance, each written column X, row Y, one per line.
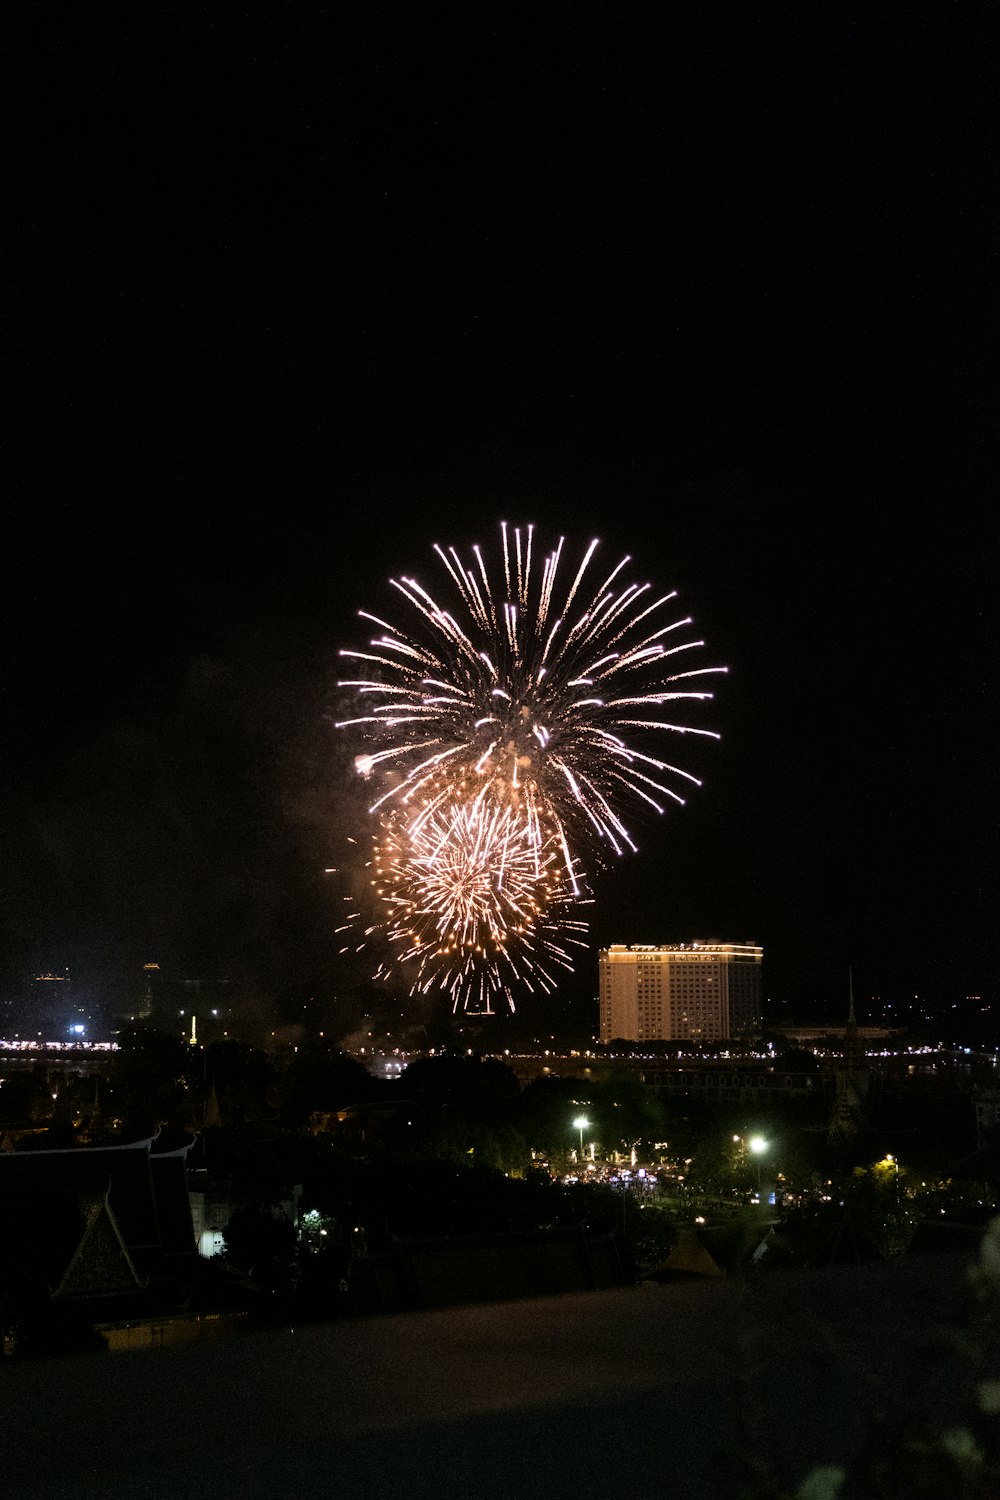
column 850, row 1109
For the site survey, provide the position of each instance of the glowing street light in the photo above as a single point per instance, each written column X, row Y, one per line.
column 890, row 1161
column 758, row 1145
column 581, row 1123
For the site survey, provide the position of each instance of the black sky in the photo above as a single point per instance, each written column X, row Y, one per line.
column 294, row 292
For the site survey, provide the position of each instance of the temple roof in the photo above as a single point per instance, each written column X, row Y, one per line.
column 146, row 1193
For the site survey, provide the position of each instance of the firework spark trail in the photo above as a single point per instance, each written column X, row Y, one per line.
column 534, row 705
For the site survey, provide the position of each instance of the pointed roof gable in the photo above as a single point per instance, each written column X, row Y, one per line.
column 100, row 1265
column 146, row 1193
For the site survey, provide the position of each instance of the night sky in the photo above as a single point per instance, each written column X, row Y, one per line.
column 292, row 293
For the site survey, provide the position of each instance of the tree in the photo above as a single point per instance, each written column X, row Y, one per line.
column 156, row 1080
column 25, row 1098
column 544, row 1111
column 452, row 1076
column 243, row 1079
column 320, row 1079
column 262, row 1244
column 881, row 1206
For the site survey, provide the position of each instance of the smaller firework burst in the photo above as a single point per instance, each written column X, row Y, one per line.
column 475, row 898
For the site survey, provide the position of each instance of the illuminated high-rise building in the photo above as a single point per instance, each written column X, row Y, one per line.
column 679, row 991
column 151, row 997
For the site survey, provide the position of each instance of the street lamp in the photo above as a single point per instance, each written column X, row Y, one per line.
column 890, row 1161
column 758, row 1146
column 581, row 1123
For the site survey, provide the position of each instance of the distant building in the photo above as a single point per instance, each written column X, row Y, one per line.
column 829, row 1035
column 679, row 991
column 150, row 996
column 987, row 1104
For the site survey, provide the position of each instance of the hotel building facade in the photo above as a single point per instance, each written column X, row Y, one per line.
column 679, row 991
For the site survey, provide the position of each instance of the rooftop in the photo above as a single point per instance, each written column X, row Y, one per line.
column 686, row 1390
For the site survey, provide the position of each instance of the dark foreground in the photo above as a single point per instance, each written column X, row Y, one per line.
column 681, row 1390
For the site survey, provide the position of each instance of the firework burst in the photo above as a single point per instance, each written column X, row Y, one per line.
column 522, row 713
column 475, row 899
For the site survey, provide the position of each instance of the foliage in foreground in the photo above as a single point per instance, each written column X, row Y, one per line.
column 908, row 1453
